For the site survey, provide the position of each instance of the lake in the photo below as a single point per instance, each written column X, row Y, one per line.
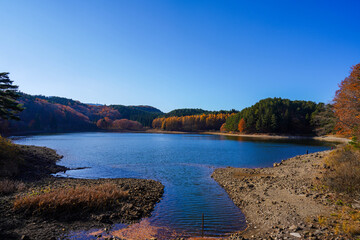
column 182, row 162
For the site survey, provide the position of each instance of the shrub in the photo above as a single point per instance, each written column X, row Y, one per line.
column 71, row 200
column 344, row 172
column 9, row 186
column 9, row 158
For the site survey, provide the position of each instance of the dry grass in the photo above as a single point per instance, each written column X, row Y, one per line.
column 343, row 177
column 322, row 220
column 8, row 186
column 344, row 173
column 346, row 221
column 78, row 199
column 9, row 158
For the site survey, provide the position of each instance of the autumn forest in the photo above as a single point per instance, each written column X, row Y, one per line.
column 271, row 116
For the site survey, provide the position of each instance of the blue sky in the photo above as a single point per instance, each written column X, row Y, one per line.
column 179, row 54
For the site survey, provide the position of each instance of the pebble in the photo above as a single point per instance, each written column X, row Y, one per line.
column 296, row 235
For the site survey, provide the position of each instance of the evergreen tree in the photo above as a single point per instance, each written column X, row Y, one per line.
column 9, row 107
column 275, row 115
column 274, row 125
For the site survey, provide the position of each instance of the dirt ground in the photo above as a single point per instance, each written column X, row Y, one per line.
column 282, row 202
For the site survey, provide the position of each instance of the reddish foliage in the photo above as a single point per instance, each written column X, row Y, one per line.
column 104, row 123
column 347, row 103
column 120, row 124
column 241, row 126
column 223, row 128
column 50, row 116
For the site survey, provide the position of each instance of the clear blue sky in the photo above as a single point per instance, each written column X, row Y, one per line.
column 179, row 54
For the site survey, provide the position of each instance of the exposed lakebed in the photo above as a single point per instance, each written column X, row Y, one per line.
column 181, row 162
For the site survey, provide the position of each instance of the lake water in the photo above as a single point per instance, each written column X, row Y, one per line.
column 182, row 162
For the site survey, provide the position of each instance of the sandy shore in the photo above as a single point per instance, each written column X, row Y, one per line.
column 335, row 139
column 281, row 202
column 264, row 136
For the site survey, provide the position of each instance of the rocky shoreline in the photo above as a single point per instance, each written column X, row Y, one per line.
column 281, row 202
column 35, row 176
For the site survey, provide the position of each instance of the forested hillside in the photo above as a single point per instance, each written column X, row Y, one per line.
column 193, row 111
column 143, row 114
column 271, row 115
column 185, row 112
column 276, row 115
column 57, row 114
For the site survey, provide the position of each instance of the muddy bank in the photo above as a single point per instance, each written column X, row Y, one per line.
column 281, row 202
column 33, row 177
column 38, row 162
column 143, row 195
column 28, row 163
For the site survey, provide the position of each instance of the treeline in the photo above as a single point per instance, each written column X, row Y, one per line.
column 185, row 112
column 56, row 114
column 119, row 124
column 191, row 123
column 272, row 115
column 283, row 116
column 194, row 111
column 143, row 114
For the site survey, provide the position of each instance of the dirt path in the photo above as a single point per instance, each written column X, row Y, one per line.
column 280, row 202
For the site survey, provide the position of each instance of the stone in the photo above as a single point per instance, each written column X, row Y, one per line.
column 355, row 205
column 295, row 235
column 292, row 227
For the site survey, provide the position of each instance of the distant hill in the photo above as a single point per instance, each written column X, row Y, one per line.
column 185, row 112
column 58, row 114
column 182, row 112
column 143, row 114
column 146, row 108
column 54, row 99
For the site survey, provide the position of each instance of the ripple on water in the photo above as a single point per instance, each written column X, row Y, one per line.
column 183, row 163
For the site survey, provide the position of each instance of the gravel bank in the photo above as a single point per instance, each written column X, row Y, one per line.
column 280, row 202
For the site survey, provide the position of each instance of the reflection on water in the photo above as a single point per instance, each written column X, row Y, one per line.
column 182, row 162
column 141, row 230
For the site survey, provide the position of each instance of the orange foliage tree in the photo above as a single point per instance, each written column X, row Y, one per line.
column 191, row 123
column 242, row 125
column 119, row 124
column 223, row 128
column 347, row 103
column 104, row 123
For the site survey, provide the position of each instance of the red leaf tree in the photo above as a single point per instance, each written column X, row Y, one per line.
column 347, row 103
